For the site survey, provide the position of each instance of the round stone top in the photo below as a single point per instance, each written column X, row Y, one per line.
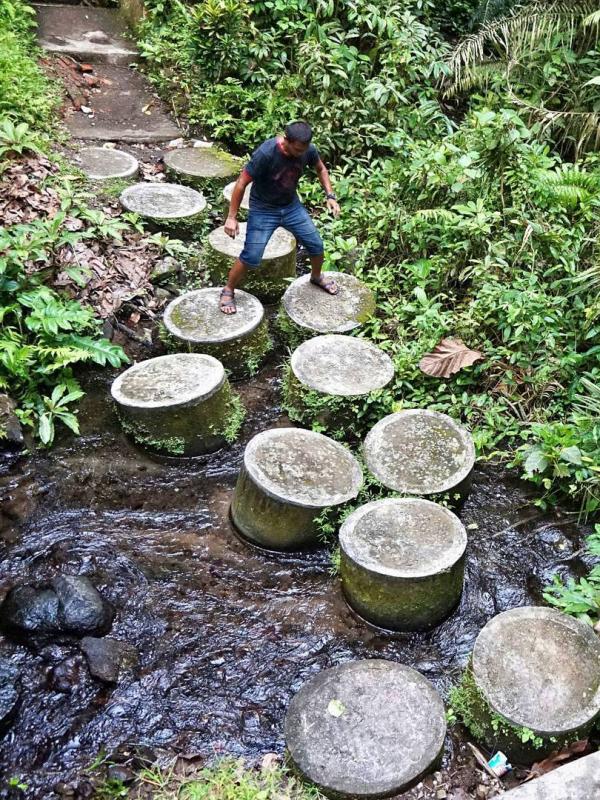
column 202, row 162
column 539, row 668
column 196, row 317
column 280, row 244
column 365, row 728
column 174, row 380
column 404, row 538
column 104, row 163
column 419, row 452
column 228, row 191
column 341, row 365
column 315, row 309
column 302, row 468
column 163, row 200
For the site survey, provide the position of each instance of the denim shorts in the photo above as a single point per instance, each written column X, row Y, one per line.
column 264, row 219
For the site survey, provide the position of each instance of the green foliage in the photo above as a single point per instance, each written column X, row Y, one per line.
column 26, row 94
column 581, row 597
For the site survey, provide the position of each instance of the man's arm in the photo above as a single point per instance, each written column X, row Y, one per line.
column 232, row 226
column 323, row 175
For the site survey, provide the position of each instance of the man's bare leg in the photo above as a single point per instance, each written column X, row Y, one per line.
column 236, row 275
column 327, row 284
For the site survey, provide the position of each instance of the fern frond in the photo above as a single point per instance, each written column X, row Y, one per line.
column 437, row 214
column 588, row 404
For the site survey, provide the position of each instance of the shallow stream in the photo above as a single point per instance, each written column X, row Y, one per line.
column 225, row 634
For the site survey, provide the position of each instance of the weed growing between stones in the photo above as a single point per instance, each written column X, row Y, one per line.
column 237, row 414
column 288, row 332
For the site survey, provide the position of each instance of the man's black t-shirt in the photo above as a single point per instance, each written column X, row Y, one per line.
column 274, row 175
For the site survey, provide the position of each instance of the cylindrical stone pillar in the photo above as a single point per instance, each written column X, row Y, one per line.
column 179, row 405
column 166, row 206
column 332, row 379
column 533, row 684
column 205, row 168
column 240, row 341
column 306, row 310
column 288, row 477
column 365, row 729
column 422, row 453
column 105, row 164
column 402, row 562
column 245, row 204
column 270, row 280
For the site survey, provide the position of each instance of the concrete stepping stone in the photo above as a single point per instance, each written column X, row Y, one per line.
column 106, row 163
column 168, row 206
column 532, row 668
column 228, row 191
column 579, row 780
column 326, row 376
column 288, row 477
column 240, row 341
column 270, row 280
column 205, row 168
column 421, row 452
column 124, row 110
column 402, row 562
column 365, row 729
column 179, row 405
column 90, row 34
column 307, row 310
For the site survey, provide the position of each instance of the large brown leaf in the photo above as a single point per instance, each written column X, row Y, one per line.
column 448, row 357
column 557, row 758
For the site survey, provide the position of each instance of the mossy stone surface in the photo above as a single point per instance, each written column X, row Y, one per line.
column 167, row 206
column 365, row 729
column 240, row 341
column 105, row 164
column 311, row 310
column 178, row 404
column 332, row 379
column 270, row 279
column 421, row 452
column 402, row 562
column 289, row 475
column 206, row 168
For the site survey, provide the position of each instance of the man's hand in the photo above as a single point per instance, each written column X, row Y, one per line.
column 232, row 227
column 332, row 206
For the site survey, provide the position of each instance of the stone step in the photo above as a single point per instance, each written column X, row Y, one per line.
column 167, row 206
column 106, row 163
column 124, row 109
column 579, row 780
column 93, row 35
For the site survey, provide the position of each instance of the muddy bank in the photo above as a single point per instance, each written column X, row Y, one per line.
column 225, row 634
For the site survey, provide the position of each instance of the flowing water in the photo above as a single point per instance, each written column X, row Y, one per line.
column 225, row 634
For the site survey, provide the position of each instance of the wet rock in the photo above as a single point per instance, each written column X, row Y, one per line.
column 82, row 609
column 106, row 657
column 9, row 691
column 29, row 610
column 117, row 772
column 71, row 605
column 10, row 427
column 66, row 675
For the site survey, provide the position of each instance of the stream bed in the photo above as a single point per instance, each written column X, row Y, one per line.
column 225, row 634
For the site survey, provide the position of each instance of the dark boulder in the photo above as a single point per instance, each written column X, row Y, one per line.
column 70, row 606
column 11, row 435
column 107, row 657
column 81, row 608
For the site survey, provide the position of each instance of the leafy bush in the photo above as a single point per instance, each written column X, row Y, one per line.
column 580, row 597
column 26, row 94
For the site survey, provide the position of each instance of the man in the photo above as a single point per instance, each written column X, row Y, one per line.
column 274, row 171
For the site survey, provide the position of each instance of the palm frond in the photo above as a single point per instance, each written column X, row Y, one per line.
column 588, row 404
column 520, row 30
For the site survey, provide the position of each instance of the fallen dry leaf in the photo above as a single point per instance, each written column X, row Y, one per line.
column 448, row 357
column 557, row 758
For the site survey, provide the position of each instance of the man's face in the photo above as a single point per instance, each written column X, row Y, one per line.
column 293, row 148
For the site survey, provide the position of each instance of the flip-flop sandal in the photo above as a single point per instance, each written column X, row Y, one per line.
column 227, row 300
column 324, row 284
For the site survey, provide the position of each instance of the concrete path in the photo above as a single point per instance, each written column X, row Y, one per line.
column 579, row 780
column 122, row 104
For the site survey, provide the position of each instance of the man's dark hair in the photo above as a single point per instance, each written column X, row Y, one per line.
column 298, row 132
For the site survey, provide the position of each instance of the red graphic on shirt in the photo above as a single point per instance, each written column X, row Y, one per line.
column 288, row 176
